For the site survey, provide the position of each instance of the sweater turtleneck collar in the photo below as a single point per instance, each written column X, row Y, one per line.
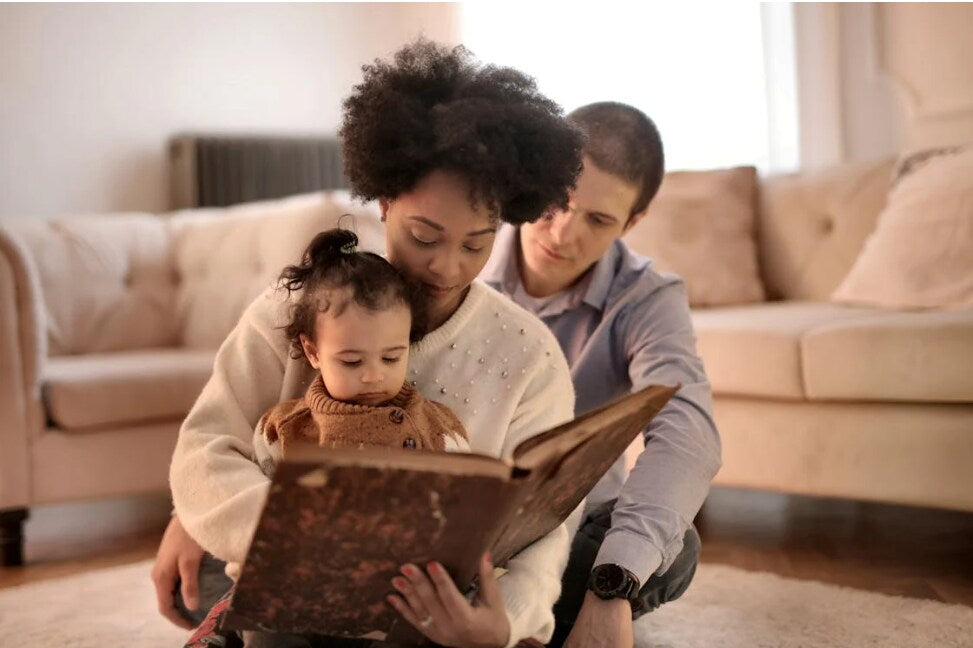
column 319, row 400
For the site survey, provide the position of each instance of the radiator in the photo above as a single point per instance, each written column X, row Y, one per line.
column 214, row 171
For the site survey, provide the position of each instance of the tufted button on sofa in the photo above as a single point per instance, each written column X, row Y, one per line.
column 108, row 329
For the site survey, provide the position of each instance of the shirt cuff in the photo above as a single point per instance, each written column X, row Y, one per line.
column 630, row 552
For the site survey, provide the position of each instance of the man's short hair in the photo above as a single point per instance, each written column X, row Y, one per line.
column 624, row 142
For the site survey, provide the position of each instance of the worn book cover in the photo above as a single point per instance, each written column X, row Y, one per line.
column 338, row 523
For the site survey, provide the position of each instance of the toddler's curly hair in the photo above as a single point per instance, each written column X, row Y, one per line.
column 331, row 264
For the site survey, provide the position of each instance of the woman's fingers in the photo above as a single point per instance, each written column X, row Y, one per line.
column 403, row 608
column 420, row 593
column 455, row 604
column 489, row 593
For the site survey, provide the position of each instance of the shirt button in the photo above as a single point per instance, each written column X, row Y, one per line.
column 396, row 416
column 409, row 443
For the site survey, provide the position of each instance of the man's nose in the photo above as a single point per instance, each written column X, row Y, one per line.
column 563, row 227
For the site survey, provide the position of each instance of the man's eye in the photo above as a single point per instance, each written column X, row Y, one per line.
column 601, row 222
column 351, row 363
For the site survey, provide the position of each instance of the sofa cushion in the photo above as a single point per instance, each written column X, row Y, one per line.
column 822, row 351
column 755, row 350
column 225, row 257
column 101, row 390
column 701, row 227
column 921, row 253
column 898, row 356
column 123, row 263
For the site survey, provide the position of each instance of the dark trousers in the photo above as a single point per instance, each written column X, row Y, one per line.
column 657, row 590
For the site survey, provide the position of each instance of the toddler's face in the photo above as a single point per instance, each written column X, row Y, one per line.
column 362, row 354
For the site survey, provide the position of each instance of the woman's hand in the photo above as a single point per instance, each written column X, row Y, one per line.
column 433, row 605
column 178, row 557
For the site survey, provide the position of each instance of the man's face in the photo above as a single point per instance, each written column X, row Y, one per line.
column 560, row 247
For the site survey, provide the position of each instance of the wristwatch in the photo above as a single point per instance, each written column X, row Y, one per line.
column 610, row 581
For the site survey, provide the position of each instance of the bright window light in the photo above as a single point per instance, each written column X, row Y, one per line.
column 696, row 70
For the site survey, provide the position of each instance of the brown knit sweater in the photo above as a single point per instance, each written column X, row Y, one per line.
column 409, row 420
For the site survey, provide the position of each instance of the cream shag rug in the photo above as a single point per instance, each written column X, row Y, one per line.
column 724, row 608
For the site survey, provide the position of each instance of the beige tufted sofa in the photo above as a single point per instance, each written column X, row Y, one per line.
column 817, row 398
column 108, row 329
column 109, row 324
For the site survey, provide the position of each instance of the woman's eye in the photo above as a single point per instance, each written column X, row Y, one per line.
column 472, row 249
column 421, row 242
column 351, row 363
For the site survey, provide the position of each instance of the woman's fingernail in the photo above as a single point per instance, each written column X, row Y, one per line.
column 434, row 568
column 409, row 570
column 398, row 583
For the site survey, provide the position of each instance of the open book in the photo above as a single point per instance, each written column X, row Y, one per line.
column 338, row 523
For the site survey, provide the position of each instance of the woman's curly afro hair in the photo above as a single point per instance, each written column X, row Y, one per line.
column 437, row 108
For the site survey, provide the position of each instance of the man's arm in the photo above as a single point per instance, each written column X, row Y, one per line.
column 671, row 478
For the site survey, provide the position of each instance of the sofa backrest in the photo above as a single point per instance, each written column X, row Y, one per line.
column 812, row 225
column 106, row 281
column 117, row 282
column 224, row 258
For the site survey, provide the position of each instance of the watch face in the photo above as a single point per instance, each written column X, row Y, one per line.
column 609, row 579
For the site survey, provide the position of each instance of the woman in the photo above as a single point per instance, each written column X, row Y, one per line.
column 449, row 148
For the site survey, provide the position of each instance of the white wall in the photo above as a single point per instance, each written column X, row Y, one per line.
column 90, row 94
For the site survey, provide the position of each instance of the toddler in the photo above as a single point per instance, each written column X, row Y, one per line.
column 352, row 320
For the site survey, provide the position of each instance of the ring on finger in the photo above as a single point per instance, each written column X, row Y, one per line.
column 425, row 623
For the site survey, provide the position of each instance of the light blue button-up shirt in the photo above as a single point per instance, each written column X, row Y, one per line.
column 622, row 327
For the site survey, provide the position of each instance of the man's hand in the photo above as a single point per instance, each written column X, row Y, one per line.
column 602, row 624
column 178, row 557
column 436, row 608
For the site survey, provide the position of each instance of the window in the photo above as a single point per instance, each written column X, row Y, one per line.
column 697, row 70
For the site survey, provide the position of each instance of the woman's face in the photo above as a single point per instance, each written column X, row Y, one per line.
column 436, row 237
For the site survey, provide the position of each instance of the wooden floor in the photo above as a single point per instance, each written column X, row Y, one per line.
column 904, row 551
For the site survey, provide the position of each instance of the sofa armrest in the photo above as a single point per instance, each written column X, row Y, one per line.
column 23, row 348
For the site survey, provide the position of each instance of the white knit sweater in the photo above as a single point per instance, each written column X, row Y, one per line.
column 496, row 366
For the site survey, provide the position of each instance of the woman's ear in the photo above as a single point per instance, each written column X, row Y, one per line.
column 310, row 351
column 383, row 205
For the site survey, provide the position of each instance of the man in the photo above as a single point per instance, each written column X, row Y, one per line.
column 622, row 326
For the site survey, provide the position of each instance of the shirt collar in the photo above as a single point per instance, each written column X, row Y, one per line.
column 602, row 275
column 502, row 269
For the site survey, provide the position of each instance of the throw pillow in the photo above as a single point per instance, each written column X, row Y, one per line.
column 701, row 226
column 921, row 252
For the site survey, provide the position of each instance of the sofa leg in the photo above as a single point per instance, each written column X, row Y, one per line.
column 12, row 537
